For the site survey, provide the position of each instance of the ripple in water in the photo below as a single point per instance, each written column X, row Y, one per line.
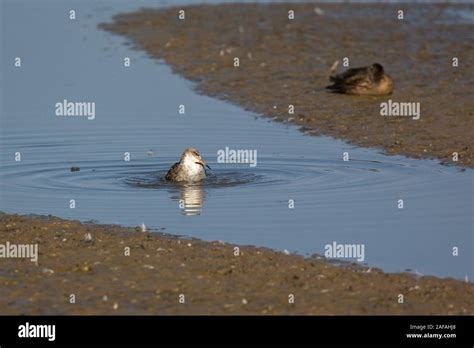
column 215, row 179
column 191, row 195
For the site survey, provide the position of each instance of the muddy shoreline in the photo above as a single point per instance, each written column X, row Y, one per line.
column 286, row 62
column 90, row 261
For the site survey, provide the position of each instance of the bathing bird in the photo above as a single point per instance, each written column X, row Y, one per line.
column 190, row 168
column 371, row 80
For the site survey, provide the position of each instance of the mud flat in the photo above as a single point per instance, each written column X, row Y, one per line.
column 90, row 261
column 286, row 62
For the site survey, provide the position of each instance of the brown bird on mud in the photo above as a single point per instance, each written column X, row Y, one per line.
column 371, row 80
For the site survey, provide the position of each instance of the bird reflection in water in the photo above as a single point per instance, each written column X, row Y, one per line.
column 190, row 199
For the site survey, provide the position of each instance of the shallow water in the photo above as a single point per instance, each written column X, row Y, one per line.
column 137, row 112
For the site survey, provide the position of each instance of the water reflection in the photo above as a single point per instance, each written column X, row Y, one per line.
column 190, row 199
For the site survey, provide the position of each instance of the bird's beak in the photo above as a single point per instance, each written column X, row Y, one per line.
column 203, row 163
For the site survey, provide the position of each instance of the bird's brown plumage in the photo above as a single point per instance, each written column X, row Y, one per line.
column 190, row 168
column 172, row 172
column 371, row 80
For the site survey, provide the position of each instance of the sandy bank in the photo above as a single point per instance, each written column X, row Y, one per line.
column 286, row 62
column 90, row 261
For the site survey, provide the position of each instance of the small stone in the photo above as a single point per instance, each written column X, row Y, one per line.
column 244, row 301
column 318, row 11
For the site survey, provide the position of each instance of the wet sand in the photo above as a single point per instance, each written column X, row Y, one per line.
column 286, row 62
column 213, row 280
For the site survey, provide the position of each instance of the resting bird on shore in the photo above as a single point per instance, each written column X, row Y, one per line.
column 371, row 80
column 190, row 168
